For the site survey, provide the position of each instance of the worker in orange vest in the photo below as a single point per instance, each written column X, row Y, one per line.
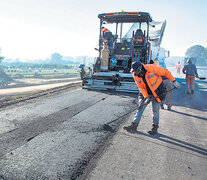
column 103, row 31
column 148, row 80
column 169, row 94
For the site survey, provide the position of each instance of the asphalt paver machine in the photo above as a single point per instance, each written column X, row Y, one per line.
column 111, row 70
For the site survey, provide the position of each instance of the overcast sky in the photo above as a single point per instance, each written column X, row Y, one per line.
column 32, row 29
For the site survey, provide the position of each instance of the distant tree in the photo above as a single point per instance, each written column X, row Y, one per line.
column 1, row 57
column 56, row 58
column 199, row 52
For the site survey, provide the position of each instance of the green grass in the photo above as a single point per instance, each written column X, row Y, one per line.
column 45, row 73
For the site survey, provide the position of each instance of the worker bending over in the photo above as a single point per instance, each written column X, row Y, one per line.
column 169, row 94
column 148, row 80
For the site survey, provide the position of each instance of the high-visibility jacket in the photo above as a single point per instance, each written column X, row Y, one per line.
column 153, row 78
column 103, row 29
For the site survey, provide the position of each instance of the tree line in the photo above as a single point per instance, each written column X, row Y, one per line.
column 1, row 57
column 23, row 65
column 199, row 52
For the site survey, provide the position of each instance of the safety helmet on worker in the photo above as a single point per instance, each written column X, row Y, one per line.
column 136, row 66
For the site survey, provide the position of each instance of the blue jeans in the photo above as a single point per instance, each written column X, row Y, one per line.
column 155, row 110
column 169, row 95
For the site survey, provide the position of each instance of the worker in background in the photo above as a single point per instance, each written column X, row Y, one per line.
column 178, row 67
column 169, row 94
column 191, row 72
column 148, row 80
column 90, row 71
column 93, row 68
column 103, row 31
column 82, row 73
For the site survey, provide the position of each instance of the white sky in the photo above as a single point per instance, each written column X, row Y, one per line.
column 32, row 29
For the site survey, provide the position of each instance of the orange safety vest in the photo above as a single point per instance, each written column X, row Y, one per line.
column 104, row 29
column 153, row 79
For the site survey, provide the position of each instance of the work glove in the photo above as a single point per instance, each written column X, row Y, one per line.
column 177, row 84
column 147, row 100
column 143, row 102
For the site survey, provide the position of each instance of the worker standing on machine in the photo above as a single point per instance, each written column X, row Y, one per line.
column 103, row 31
column 148, row 80
column 82, row 73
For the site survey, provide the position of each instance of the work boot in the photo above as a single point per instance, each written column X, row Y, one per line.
column 132, row 127
column 192, row 91
column 153, row 131
column 188, row 92
column 169, row 108
column 162, row 106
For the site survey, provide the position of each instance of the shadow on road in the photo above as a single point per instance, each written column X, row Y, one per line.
column 194, row 101
column 171, row 141
column 190, row 115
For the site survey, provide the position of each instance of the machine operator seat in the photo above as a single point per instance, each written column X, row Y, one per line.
column 108, row 35
column 109, row 38
column 138, row 34
column 139, row 37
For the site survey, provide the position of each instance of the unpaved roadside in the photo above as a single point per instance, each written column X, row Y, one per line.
column 34, row 88
column 22, row 86
column 30, row 89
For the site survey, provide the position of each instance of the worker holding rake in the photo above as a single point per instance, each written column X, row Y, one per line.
column 148, row 80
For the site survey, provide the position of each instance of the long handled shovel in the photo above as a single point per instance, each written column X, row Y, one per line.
column 202, row 78
column 107, row 127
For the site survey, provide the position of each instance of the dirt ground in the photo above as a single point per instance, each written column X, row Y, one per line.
column 25, row 86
